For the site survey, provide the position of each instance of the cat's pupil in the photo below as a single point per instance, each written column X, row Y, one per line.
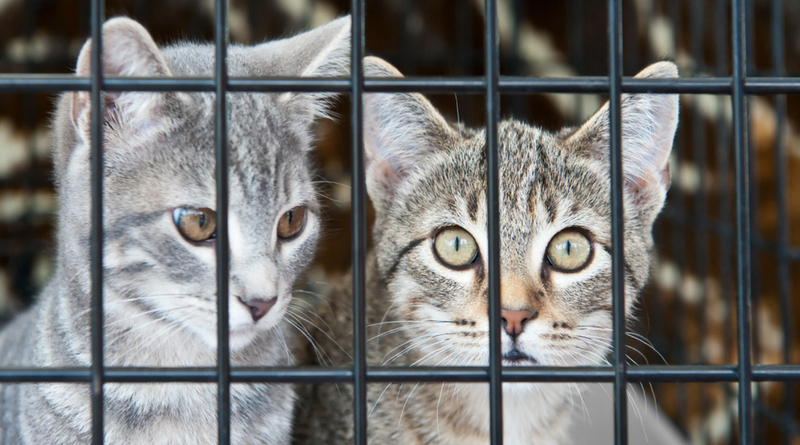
column 568, row 247
column 289, row 216
column 458, row 241
column 202, row 220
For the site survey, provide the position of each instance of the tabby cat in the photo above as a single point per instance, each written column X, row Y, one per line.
column 426, row 277
column 159, row 255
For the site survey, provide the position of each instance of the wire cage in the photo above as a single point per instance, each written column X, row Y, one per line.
column 719, row 309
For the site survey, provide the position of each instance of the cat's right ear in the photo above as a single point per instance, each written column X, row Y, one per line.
column 649, row 122
column 401, row 132
column 321, row 52
column 128, row 50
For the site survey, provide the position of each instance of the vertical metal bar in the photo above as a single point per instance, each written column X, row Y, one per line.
column 617, row 222
column 577, row 46
column 750, row 38
column 677, row 242
column 699, row 148
column 519, row 103
column 723, row 165
column 755, row 234
column 359, row 225
column 493, row 197
column 221, row 134
column 98, row 113
column 742, row 176
column 781, row 183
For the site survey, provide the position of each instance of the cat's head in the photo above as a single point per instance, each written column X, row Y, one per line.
column 427, row 180
column 159, row 185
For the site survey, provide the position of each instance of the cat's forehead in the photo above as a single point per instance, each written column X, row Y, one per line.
column 527, row 155
column 538, row 175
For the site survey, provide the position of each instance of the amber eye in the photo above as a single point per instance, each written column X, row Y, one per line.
column 569, row 250
column 291, row 223
column 195, row 224
column 455, row 247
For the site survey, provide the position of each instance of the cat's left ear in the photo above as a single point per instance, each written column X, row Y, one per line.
column 128, row 50
column 322, row 52
column 648, row 129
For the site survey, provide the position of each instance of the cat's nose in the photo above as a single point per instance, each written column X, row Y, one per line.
column 258, row 306
column 514, row 321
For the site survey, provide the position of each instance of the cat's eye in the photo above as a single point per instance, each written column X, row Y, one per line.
column 455, row 247
column 196, row 225
column 569, row 251
column 291, row 223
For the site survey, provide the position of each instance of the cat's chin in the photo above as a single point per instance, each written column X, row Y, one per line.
column 239, row 339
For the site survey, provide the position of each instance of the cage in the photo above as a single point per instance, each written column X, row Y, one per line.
column 718, row 312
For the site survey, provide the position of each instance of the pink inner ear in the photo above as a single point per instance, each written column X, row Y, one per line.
column 641, row 187
column 383, row 173
column 81, row 103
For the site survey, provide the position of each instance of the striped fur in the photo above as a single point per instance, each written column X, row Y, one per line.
column 424, row 174
column 160, row 292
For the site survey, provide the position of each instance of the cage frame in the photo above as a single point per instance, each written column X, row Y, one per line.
column 738, row 86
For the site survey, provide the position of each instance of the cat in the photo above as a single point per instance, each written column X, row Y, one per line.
column 426, row 291
column 159, row 256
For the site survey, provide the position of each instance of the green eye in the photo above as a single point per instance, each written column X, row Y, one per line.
column 455, row 247
column 195, row 224
column 569, row 250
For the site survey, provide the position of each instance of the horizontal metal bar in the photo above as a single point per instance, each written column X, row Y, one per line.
column 644, row 373
column 28, row 83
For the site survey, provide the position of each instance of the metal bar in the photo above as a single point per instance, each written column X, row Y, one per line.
column 617, row 221
column 376, row 374
column 221, row 143
column 492, row 67
column 742, row 184
column 677, row 245
column 519, row 105
column 49, row 83
column 97, row 120
column 721, row 63
column 699, row 147
column 359, row 224
column 781, row 184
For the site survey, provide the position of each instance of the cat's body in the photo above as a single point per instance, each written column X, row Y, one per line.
column 426, row 292
column 159, row 250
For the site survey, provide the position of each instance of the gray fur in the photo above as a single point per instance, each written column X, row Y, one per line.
column 160, row 290
column 424, row 174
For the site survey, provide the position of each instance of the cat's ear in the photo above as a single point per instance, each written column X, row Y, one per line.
column 401, row 132
column 648, row 129
column 128, row 50
column 322, row 52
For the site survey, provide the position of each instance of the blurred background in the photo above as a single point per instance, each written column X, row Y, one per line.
column 687, row 313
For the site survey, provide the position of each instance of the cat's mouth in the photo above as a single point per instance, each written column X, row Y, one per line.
column 515, row 357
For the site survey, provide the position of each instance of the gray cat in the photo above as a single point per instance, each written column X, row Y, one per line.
column 159, row 256
column 426, row 293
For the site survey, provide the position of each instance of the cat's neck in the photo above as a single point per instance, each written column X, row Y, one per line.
column 532, row 413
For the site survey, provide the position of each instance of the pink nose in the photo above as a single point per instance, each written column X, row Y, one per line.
column 514, row 321
column 258, row 306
